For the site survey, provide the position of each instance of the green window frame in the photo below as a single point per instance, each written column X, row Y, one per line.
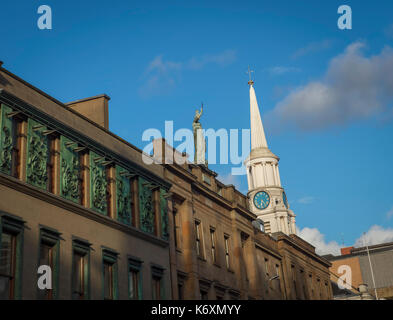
column 123, row 196
column 70, row 170
column 157, row 278
column 11, row 233
column 109, row 274
column 164, row 214
column 80, row 285
column 98, row 184
column 49, row 254
column 6, row 140
column 38, row 155
column 135, row 278
column 147, row 213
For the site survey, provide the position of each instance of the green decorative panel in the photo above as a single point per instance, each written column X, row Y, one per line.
column 123, row 195
column 146, row 208
column 6, row 141
column 69, row 170
column 164, row 214
column 37, row 155
column 98, row 184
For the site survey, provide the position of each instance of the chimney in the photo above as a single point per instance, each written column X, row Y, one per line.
column 94, row 108
column 165, row 153
column 347, row 250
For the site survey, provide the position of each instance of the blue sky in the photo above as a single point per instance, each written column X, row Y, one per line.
column 158, row 61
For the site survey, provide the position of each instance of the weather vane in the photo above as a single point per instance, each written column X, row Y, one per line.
column 250, row 81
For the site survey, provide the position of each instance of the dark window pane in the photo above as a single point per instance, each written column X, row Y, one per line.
column 134, row 284
column 4, row 288
column 6, row 254
column 46, row 258
column 79, row 278
column 7, row 269
column 156, row 289
column 108, row 283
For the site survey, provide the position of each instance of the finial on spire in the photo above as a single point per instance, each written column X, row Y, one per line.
column 250, row 81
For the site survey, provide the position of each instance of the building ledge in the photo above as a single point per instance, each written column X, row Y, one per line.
column 50, row 198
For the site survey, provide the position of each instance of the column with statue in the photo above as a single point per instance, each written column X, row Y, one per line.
column 199, row 139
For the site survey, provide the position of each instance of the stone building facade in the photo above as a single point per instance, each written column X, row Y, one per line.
column 79, row 199
column 219, row 252
column 365, row 266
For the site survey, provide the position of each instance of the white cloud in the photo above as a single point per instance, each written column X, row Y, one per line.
column 312, row 48
column 161, row 76
column 306, row 200
column 280, row 70
column 375, row 235
column 389, row 214
column 354, row 87
column 317, row 239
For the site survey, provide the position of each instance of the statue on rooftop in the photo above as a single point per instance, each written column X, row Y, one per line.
column 199, row 139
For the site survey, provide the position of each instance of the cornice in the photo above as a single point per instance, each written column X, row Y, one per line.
column 35, row 113
column 48, row 197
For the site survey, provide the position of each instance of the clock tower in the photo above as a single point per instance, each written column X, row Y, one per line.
column 267, row 198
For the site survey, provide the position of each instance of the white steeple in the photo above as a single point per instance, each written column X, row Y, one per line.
column 267, row 198
column 258, row 138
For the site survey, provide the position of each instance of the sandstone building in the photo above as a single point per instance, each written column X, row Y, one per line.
column 79, row 199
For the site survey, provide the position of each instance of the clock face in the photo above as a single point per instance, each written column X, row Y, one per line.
column 261, row 200
column 284, row 198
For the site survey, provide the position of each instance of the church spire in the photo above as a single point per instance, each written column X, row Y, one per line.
column 258, row 138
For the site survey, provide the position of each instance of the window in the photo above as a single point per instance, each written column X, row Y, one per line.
column 80, row 269
column 226, row 244
column 156, row 290
column 206, row 179
column 109, row 274
column 16, row 129
column 11, row 238
column 213, row 245
column 134, row 202
column 180, row 290
column 278, row 281
column 293, row 270
column 266, row 225
column 157, row 282
column 181, row 280
column 109, row 183
column 198, row 235
column 134, row 279
column 319, row 288
column 50, row 168
column 311, row 286
column 49, row 256
column 7, row 265
column 303, row 282
column 204, row 295
column 83, row 183
column 176, row 227
column 267, row 268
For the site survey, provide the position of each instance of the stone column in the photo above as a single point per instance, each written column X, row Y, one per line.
column 264, row 173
